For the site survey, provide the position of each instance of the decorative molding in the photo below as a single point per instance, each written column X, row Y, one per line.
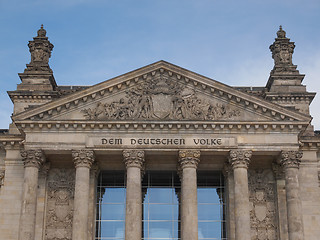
column 188, row 159
column 239, row 158
column 83, row 158
column 162, row 125
column 59, row 213
column 133, row 158
column 290, row 159
column 33, row 158
column 263, row 207
column 161, row 98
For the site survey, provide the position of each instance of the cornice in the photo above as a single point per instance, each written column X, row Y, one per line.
column 161, row 125
column 198, row 82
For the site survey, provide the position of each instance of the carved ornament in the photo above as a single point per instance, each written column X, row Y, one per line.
column 290, row 159
column 133, row 158
column 33, row 158
column 160, row 98
column 262, row 201
column 60, row 200
column 2, row 174
column 83, row 158
column 189, row 159
column 239, row 158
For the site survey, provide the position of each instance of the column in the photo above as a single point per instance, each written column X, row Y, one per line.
column 83, row 160
column 290, row 160
column 188, row 163
column 32, row 159
column 134, row 161
column 239, row 161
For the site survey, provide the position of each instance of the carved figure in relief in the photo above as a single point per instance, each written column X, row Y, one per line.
column 160, row 98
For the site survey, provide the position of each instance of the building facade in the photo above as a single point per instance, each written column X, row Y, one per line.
column 160, row 153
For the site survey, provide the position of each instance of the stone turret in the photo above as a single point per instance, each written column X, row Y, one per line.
column 284, row 86
column 38, row 85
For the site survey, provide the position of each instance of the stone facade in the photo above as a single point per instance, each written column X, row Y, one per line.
column 160, row 117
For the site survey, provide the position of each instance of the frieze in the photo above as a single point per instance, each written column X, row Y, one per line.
column 59, row 213
column 161, row 98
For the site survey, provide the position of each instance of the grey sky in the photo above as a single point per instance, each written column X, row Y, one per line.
column 96, row 40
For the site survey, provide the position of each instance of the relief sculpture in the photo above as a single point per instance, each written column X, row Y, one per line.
column 160, row 99
column 59, row 213
column 262, row 205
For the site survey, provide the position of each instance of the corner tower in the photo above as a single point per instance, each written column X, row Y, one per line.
column 284, row 86
column 38, row 85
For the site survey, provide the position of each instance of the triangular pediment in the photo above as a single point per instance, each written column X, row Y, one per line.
column 161, row 92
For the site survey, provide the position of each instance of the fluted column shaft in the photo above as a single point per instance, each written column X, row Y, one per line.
column 32, row 159
column 134, row 161
column 83, row 160
column 188, row 163
column 290, row 160
column 239, row 161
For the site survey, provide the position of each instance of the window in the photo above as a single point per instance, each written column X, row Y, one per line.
column 111, row 206
column 161, row 206
column 160, row 198
column 211, row 220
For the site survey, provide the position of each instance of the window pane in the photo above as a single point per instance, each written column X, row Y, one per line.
column 208, row 195
column 161, row 212
column 209, row 230
column 112, row 229
column 160, row 195
column 113, row 195
column 209, row 212
column 112, row 212
column 161, row 230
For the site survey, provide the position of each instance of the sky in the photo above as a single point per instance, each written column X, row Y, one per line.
column 95, row 40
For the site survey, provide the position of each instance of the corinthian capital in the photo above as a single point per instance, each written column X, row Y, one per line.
column 133, row 158
column 33, row 158
column 189, row 158
column 290, row 159
column 239, row 158
column 83, row 158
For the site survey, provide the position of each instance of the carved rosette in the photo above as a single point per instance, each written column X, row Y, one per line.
column 189, row 159
column 133, row 158
column 33, row 158
column 290, row 159
column 239, row 158
column 83, row 158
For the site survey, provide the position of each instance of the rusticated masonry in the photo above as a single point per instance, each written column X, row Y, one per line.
column 262, row 204
column 59, row 210
column 161, row 97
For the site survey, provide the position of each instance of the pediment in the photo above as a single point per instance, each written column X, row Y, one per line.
column 160, row 92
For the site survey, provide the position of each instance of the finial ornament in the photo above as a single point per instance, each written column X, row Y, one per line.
column 281, row 33
column 282, row 50
column 40, row 49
